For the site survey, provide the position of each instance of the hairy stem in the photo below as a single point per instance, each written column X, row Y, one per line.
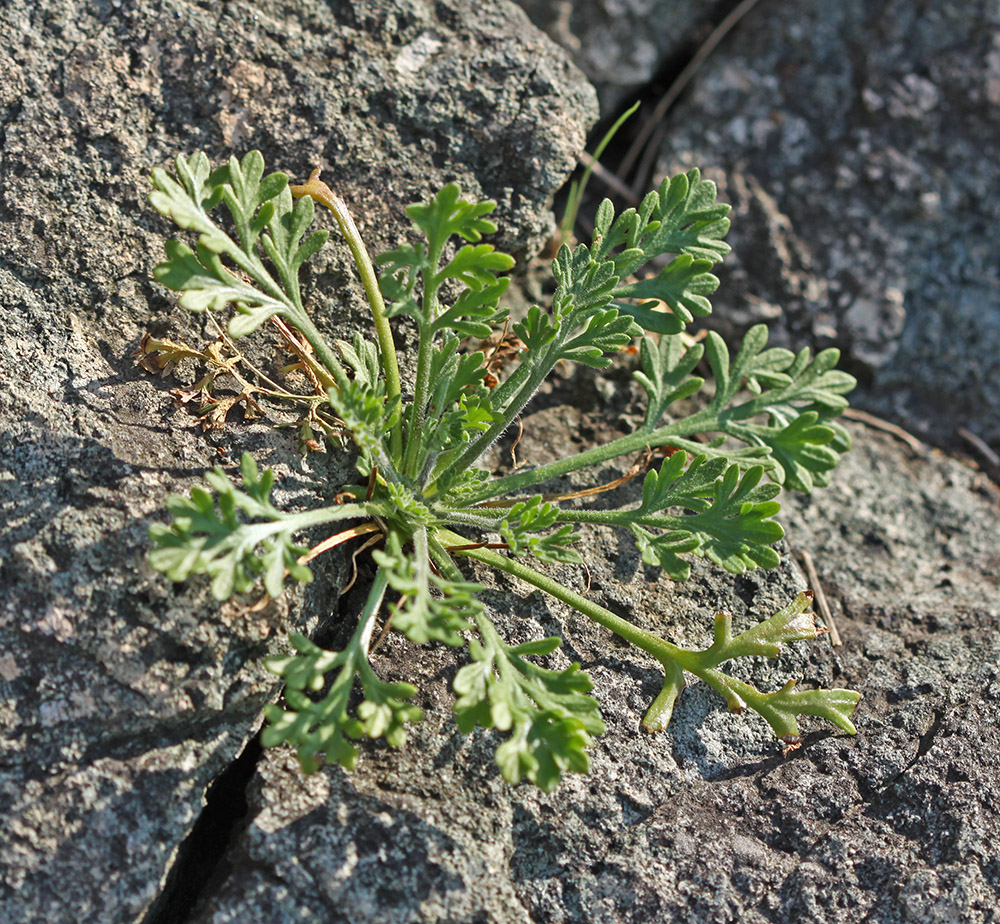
column 647, row 641
column 421, row 387
column 626, row 445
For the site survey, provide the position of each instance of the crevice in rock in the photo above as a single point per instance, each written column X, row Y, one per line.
column 201, row 856
column 670, row 70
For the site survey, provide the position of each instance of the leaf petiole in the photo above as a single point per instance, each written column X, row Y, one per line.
column 322, row 193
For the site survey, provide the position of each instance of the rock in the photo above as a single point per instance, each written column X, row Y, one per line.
column 859, row 148
column 622, row 45
column 122, row 696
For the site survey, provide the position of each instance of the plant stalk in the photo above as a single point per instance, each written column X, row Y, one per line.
column 625, row 445
column 322, row 193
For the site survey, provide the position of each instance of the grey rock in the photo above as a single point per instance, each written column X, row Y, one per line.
column 122, row 697
column 622, row 45
column 858, row 143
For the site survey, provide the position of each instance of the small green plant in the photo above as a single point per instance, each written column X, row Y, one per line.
column 771, row 415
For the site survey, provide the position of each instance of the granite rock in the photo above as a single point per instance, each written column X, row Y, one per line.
column 623, row 45
column 706, row 822
column 859, row 146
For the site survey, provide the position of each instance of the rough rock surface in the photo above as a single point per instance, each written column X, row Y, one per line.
column 621, row 45
column 858, row 143
column 121, row 697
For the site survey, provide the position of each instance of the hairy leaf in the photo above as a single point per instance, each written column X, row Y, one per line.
column 548, row 713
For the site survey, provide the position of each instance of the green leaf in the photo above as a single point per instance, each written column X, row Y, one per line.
column 782, row 708
column 537, row 330
column 206, row 285
column 585, row 285
column 665, row 374
column 476, row 311
column 187, row 198
column 731, row 520
column 522, row 529
column 362, row 359
column 682, row 217
column 548, row 713
column 797, row 395
column 793, row 623
column 652, row 318
column 255, row 203
column 369, row 418
column 684, row 284
column 288, row 223
column 432, row 607
column 689, row 219
column 209, row 537
column 604, row 334
column 325, row 726
column 449, row 214
column 476, row 266
column 247, row 196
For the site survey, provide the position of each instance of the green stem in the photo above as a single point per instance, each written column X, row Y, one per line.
column 673, row 659
column 322, row 193
column 322, row 515
column 577, row 190
column 635, row 442
column 361, row 640
column 479, row 445
column 647, row 641
column 421, row 387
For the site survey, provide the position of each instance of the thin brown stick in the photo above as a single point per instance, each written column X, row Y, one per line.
column 638, row 466
column 609, row 179
column 877, row 423
column 681, row 82
column 320, row 378
column 647, row 162
column 990, row 460
column 354, row 560
column 476, row 545
column 387, row 625
column 337, row 539
column 517, row 439
column 586, row 570
column 821, row 602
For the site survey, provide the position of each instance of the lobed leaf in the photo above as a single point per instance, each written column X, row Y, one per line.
column 208, row 536
column 548, row 713
column 325, row 726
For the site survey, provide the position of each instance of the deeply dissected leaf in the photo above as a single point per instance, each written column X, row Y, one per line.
column 549, row 714
column 432, row 608
column 522, row 530
column 666, row 374
column 325, row 726
column 235, row 536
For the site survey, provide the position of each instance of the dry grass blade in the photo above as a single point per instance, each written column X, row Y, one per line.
column 821, row 602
